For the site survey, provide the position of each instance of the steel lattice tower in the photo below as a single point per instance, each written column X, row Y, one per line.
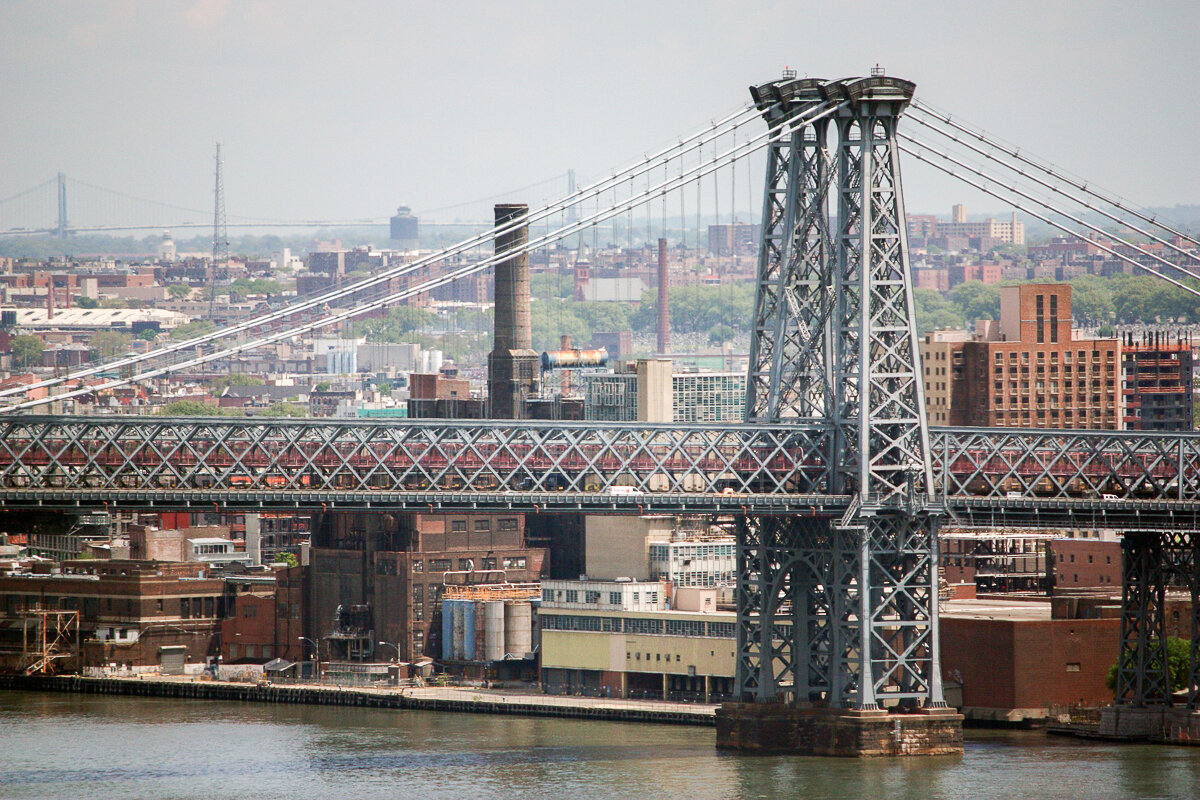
column 843, row 612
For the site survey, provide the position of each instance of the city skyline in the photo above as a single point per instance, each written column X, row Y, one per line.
column 348, row 112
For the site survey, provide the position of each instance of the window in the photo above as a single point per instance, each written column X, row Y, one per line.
column 457, row 525
column 418, row 565
column 572, row 595
column 514, row 562
column 591, row 597
column 614, row 598
column 506, row 524
column 483, row 524
column 487, row 563
column 466, row 564
column 439, row 564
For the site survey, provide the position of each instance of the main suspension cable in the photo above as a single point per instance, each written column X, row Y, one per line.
column 779, row 131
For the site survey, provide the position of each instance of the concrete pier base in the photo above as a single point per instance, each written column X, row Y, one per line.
column 784, row 728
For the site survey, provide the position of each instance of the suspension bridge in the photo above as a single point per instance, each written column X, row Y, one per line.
column 836, row 480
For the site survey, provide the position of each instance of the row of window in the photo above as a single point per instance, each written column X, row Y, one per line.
column 635, row 625
column 502, row 524
column 465, row 564
column 1066, row 356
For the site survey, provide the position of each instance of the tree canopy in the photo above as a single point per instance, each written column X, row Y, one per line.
column 26, row 350
column 191, row 408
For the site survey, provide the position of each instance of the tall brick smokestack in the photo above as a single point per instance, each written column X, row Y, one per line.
column 664, row 313
column 512, row 330
column 512, row 364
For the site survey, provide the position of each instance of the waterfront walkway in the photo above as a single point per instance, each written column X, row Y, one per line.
column 433, row 698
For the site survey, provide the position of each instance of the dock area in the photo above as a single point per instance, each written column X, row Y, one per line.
column 433, row 698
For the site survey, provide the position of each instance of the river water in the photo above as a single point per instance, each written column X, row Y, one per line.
column 80, row 746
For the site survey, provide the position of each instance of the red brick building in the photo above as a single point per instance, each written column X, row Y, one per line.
column 390, row 570
column 129, row 610
column 1157, row 383
column 1031, row 371
column 1086, row 564
column 1015, row 659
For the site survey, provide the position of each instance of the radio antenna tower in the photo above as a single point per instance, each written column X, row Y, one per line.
column 220, row 242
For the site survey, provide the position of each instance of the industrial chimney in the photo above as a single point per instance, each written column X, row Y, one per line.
column 512, row 365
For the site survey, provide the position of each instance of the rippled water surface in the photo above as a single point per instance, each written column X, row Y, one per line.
column 75, row 746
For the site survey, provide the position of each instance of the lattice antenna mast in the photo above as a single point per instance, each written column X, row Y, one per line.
column 220, row 242
column 62, row 206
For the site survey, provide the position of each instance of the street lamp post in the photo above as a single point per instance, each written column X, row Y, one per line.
column 395, row 647
column 316, row 655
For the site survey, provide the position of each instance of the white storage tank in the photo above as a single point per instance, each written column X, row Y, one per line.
column 493, row 630
column 518, row 628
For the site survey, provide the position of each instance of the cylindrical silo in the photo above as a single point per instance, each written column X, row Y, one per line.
column 518, row 628
column 493, row 630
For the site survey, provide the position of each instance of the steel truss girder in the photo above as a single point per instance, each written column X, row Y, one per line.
column 1153, row 563
column 881, row 435
column 991, row 462
column 788, row 374
column 124, row 453
column 843, row 615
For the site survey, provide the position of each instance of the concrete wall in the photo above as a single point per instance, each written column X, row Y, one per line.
column 618, row 547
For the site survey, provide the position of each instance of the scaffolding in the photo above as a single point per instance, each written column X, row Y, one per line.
column 55, row 636
column 494, row 591
column 1004, row 559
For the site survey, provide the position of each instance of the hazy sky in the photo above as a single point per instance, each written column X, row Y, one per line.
column 347, row 109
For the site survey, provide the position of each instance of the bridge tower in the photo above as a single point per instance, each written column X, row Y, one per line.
column 839, row 614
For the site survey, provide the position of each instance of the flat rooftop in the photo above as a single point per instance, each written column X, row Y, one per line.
column 1033, row 609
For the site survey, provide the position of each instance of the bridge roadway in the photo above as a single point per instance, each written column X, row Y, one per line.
column 991, row 477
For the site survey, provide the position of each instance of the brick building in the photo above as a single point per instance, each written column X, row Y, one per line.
column 1086, row 564
column 1157, row 383
column 129, row 610
column 1014, row 659
column 387, row 572
column 1031, row 369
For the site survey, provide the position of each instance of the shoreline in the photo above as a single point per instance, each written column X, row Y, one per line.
column 446, row 699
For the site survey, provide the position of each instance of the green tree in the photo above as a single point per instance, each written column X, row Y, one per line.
column 238, row 379
column 287, row 558
column 245, row 286
column 148, row 335
column 285, row 410
column 110, row 343
column 191, row 330
column 1179, row 659
column 976, row 300
column 323, row 386
column 190, row 408
column 550, row 320
column 551, row 285
column 87, row 302
column 397, row 325
column 1092, row 300
column 934, row 311
column 719, row 334
column 179, row 290
column 26, row 350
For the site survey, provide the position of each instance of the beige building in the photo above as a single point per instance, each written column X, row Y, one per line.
column 680, row 654
column 618, row 547
column 941, row 369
